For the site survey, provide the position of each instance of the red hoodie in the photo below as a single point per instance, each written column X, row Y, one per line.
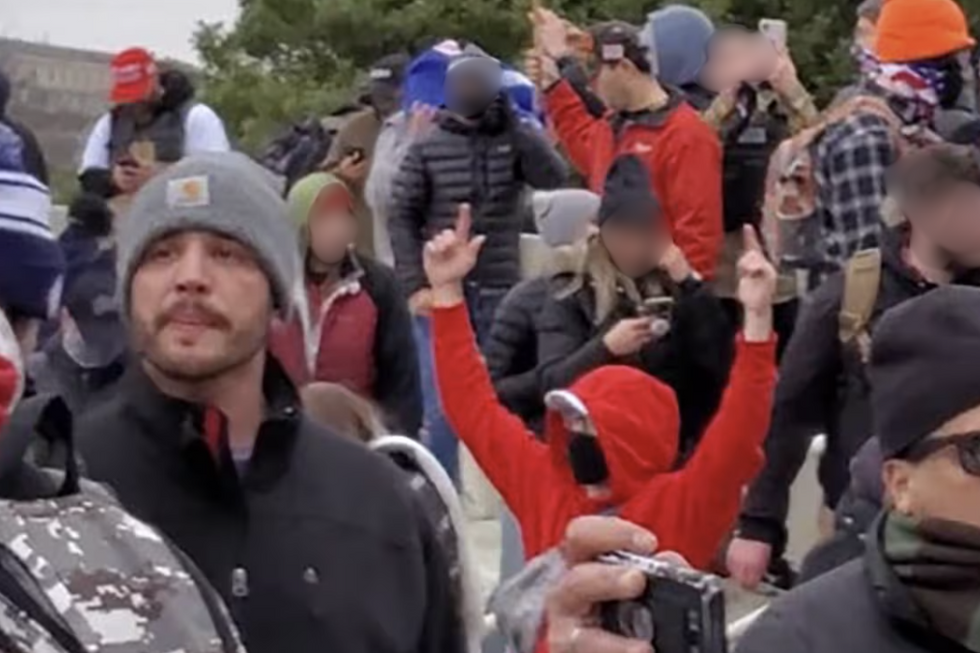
column 679, row 149
column 637, row 420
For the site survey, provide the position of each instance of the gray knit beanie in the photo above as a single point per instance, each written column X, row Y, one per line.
column 561, row 215
column 226, row 193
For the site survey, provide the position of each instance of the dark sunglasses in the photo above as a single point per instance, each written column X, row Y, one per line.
column 967, row 447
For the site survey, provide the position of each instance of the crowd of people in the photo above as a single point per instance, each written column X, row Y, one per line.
column 635, row 276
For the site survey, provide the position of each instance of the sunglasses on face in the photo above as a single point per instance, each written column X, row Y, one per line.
column 967, row 447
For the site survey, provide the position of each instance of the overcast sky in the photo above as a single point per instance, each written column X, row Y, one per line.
column 163, row 26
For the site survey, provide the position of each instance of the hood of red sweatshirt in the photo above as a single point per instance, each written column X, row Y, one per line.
column 637, row 421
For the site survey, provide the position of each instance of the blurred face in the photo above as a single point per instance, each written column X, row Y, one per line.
column 200, row 306
column 738, row 56
column 333, row 230
column 635, row 250
column 613, row 83
column 942, row 478
column 950, row 221
column 865, row 33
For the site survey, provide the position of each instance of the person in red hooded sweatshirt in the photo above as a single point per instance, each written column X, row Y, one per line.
column 612, row 437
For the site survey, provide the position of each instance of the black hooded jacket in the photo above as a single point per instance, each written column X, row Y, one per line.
column 822, row 389
column 34, row 163
column 487, row 164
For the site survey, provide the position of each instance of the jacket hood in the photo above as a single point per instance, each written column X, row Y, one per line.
column 177, row 89
column 637, row 421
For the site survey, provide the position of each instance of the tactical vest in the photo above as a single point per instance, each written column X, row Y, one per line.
column 748, row 144
column 166, row 131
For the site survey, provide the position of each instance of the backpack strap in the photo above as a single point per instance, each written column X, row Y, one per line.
column 862, row 278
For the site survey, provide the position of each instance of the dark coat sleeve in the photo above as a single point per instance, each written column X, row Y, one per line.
column 568, row 344
column 774, row 632
column 406, row 223
column 443, row 631
column 398, row 384
column 697, row 358
column 539, row 163
column 513, row 337
column 804, row 406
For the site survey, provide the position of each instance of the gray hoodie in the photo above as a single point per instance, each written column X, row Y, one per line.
column 389, row 152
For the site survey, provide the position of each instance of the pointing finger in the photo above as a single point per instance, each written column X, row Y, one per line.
column 464, row 220
column 750, row 239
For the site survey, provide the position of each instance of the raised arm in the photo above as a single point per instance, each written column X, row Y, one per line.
column 503, row 448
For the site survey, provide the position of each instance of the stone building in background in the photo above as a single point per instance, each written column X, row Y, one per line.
column 59, row 92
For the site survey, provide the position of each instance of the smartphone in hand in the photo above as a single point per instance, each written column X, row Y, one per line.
column 775, row 30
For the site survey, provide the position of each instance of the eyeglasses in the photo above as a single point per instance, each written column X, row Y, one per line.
column 967, row 447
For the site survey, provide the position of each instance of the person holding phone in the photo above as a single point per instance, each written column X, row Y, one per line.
column 598, row 316
column 154, row 121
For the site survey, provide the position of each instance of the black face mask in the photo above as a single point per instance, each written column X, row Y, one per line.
column 469, row 106
column 587, row 460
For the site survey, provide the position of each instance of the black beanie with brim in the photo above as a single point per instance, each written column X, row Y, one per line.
column 627, row 196
column 923, row 368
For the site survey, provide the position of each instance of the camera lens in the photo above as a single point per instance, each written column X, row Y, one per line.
column 634, row 620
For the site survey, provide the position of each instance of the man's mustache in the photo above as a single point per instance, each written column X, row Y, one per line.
column 194, row 312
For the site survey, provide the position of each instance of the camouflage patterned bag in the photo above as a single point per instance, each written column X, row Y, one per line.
column 80, row 575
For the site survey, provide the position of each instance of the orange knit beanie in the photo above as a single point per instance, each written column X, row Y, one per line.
column 915, row 30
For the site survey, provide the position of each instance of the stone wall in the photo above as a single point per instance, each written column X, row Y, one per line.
column 59, row 92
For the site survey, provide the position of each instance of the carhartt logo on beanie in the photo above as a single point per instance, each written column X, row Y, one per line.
column 225, row 193
column 923, row 365
column 917, row 30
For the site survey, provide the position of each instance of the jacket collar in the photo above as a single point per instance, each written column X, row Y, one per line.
column 198, row 433
column 649, row 118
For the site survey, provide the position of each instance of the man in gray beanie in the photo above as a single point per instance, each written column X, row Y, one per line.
column 917, row 586
column 206, row 438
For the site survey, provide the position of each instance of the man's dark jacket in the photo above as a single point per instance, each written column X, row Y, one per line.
column 859, row 608
column 694, row 358
column 317, row 547
column 487, row 164
column 822, row 389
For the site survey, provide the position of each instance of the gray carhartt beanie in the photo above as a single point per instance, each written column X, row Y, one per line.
column 226, row 193
column 561, row 216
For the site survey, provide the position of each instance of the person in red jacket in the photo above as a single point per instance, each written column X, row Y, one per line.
column 649, row 120
column 612, row 442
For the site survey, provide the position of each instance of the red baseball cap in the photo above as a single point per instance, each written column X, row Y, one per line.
column 134, row 76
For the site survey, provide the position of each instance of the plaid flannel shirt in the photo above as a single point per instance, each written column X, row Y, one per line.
column 851, row 158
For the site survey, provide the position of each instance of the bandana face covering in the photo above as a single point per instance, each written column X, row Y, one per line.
column 913, row 90
column 938, row 562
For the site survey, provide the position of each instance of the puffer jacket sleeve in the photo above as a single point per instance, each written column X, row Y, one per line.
column 412, row 196
column 540, row 164
column 567, row 344
column 512, row 337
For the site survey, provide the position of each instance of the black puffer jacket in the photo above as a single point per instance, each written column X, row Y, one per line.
column 486, row 164
column 822, row 389
column 694, row 358
column 512, row 350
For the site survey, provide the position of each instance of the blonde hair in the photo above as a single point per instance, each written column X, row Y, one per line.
column 335, row 407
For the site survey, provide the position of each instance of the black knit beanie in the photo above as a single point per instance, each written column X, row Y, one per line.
column 923, row 369
column 627, row 196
